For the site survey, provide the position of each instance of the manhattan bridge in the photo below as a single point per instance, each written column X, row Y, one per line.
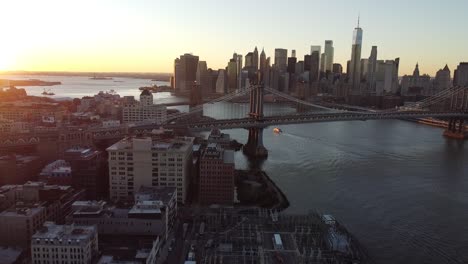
column 450, row 104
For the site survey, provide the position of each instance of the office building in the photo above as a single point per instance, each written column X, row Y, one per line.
column 149, row 161
column 292, row 65
column 221, row 82
column 238, row 59
column 314, row 66
column 337, row 68
column 145, row 110
column 18, row 169
column 355, row 63
column 88, row 170
column 19, row 223
column 132, row 251
column 460, row 77
column 416, row 84
column 64, row 244
column 329, row 55
column 263, row 61
column 249, row 60
column 232, row 76
column 153, row 214
column 57, row 172
column 364, row 69
column 216, row 176
column 255, row 59
column 185, row 71
column 372, row 69
column 281, row 59
column 442, row 80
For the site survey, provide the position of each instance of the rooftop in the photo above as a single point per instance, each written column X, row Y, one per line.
column 9, row 255
column 52, row 233
column 149, row 143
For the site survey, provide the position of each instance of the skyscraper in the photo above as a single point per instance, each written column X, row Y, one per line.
column 186, row 72
column 263, row 61
column 255, row 59
column 337, row 68
column 249, row 60
column 315, row 48
column 314, row 66
column 442, row 80
column 461, row 75
column 292, row 65
column 355, row 63
column 329, row 54
column 281, row 59
column 372, row 68
column 239, row 69
column 232, row 75
column 293, row 54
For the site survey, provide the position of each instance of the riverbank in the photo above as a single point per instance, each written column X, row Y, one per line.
column 31, row 82
column 256, row 188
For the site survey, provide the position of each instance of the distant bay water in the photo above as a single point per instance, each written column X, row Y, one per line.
column 400, row 187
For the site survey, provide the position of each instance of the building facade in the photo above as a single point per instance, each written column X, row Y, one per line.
column 145, row 110
column 149, row 161
column 216, row 176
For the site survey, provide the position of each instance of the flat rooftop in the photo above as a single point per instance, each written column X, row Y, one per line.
column 51, row 231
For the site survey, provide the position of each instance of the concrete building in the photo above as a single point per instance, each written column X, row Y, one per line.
column 153, row 214
column 371, row 70
column 145, row 110
column 64, row 244
column 88, row 171
column 19, row 223
column 281, row 59
column 216, row 176
column 131, row 252
column 149, row 161
column 416, row 84
column 263, row 61
column 442, row 80
column 329, row 55
column 57, row 172
column 355, row 63
column 222, row 139
column 185, row 71
column 461, row 75
column 386, row 77
column 221, row 82
column 255, row 59
column 232, row 79
column 18, row 169
column 337, row 68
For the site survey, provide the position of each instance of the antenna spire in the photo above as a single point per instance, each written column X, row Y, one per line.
column 358, row 19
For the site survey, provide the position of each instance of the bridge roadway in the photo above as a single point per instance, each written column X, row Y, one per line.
column 305, row 118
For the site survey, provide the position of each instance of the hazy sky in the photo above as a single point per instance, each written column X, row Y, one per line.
column 147, row 35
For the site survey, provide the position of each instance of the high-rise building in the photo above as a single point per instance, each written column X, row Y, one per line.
column 263, row 61
column 221, row 82
column 64, row 244
column 355, row 64
column 372, row 68
column 461, row 75
column 249, row 60
column 322, row 62
column 329, row 54
column 19, row 223
column 216, row 176
column 255, row 59
column 292, row 65
column 307, row 62
column 281, row 59
column 337, row 68
column 293, row 54
column 364, row 69
column 232, row 76
column 239, row 69
column 160, row 160
column 316, row 48
column 185, row 72
column 442, row 80
column 314, row 66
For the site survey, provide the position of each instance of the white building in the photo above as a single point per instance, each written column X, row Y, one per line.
column 147, row 161
column 64, row 244
column 145, row 110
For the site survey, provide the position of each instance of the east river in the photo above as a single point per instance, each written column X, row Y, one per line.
column 399, row 187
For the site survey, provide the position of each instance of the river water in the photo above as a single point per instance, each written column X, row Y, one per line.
column 399, row 187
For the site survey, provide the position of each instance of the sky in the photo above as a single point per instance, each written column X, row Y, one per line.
column 147, row 35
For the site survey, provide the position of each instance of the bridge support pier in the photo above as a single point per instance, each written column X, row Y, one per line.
column 456, row 126
column 254, row 147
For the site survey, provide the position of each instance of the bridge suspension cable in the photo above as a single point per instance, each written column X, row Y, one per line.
column 436, row 98
column 296, row 100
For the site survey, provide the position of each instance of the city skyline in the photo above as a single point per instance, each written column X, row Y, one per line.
column 145, row 36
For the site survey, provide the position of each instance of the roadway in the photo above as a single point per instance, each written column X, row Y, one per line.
column 306, row 118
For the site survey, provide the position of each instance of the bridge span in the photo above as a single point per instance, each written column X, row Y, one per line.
column 306, row 118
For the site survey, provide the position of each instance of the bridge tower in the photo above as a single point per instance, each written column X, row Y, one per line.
column 254, row 146
column 457, row 125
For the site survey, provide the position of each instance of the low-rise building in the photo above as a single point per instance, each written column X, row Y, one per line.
column 64, row 244
column 153, row 214
column 57, row 172
column 128, row 252
column 18, row 169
